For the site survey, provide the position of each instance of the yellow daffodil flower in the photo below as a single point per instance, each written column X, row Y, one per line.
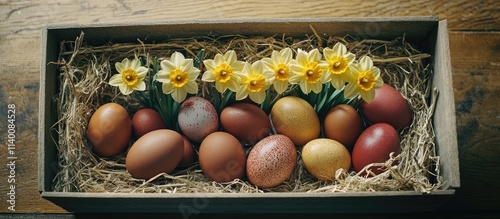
column 280, row 63
column 307, row 71
column 130, row 76
column 178, row 76
column 222, row 70
column 364, row 79
column 338, row 61
column 255, row 80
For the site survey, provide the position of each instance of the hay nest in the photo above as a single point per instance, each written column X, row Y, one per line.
column 85, row 70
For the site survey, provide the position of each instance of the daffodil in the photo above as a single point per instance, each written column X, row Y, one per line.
column 338, row 61
column 255, row 80
column 130, row 76
column 280, row 63
column 364, row 79
column 307, row 71
column 222, row 70
column 178, row 76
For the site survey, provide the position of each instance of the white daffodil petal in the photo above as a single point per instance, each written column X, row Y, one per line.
column 179, row 95
column 367, row 96
column 116, row 80
column 208, row 76
column 280, row 86
column 257, row 97
column 126, row 90
column 350, row 90
column 135, row 64
column 119, row 67
column 230, row 57
column 177, row 59
column 140, row 86
column 167, row 88
column 209, row 64
column 191, row 87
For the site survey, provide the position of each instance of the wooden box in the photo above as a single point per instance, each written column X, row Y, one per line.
column 420, row 29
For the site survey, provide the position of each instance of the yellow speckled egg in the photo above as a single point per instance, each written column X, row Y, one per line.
column 323, row 157
column 294, row 117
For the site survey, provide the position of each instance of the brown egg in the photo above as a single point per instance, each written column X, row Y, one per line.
column 156, row 152
column 374, row 146
column 146, row 120
column 247, row 122
column 221, row 157
column 294, row 117
column 388, row 106
column 343, row 124
column 271, row 161
column 109, row 130
column 188, row 153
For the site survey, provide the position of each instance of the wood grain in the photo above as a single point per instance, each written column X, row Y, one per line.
column 474, row 46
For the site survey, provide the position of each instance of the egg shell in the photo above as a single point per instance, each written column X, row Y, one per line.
column 271, row 161
column 343, row 124
column 221, row 157
column 374, row 146
column 109, row 130
column 197, row 118
column 388, row 106
column 156, row 152
column 247, row 122
column 322, row 158
column 188, row 153
column 294, row 117
column 146, row 120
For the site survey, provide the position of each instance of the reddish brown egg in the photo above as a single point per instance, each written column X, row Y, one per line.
column 188, row 154
column 374, row 146
column 388, row 106
column 245, row 121
column 109, row 130
column 146, row 120
column 156, row 152
column 271, row 161
column 343, row 124
column 221, row 157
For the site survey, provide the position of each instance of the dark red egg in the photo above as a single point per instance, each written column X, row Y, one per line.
column 388, row 106
column 146, row 120
column 374, row 146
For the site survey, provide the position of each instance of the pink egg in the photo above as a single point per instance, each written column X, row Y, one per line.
column 197, row 118
column 271, row 161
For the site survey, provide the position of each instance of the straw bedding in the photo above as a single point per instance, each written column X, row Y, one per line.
column 85, row 69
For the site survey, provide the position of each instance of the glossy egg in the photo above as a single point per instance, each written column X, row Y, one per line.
column 271, row 161
column 247, row 122
column 221, row 157
column 294, row 117
column 197, row 118
column 374, row 146
column 109, row 130
column 388, row 106
column 343, row 124
column 322, row 158
column 156, row 152
column 146, row 120
column 188, row 153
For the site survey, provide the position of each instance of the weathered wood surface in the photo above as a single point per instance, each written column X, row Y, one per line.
column 474, row 46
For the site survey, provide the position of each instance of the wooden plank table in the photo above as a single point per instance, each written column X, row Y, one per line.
column 474, row 46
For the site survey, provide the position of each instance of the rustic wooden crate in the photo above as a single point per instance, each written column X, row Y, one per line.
column 419, row 29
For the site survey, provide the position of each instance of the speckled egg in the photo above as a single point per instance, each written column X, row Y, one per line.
column 294, row 117
column 323, row 157
column 197, row 118
column 271, row 161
